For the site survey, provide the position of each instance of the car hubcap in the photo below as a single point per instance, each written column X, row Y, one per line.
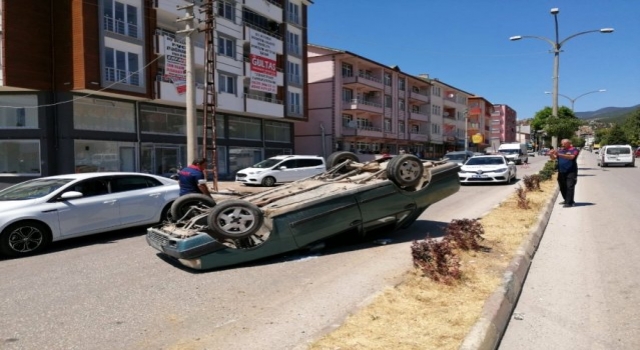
column 25, row 239
column 409, row 171
column 236, row 220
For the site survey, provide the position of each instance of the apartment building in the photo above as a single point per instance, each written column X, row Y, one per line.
column 503, row 125
column 357, row 104
column 91, row 85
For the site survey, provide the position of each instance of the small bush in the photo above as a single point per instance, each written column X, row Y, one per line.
column 532, row 182
column 465, row 233
column 523, row 202
column 437, row 260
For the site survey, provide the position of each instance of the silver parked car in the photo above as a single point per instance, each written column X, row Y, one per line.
column 37, row 212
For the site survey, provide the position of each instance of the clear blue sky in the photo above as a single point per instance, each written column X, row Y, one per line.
column 465, row 43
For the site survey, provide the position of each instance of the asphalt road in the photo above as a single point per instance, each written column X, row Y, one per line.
column 112, row 291
column 582, row 291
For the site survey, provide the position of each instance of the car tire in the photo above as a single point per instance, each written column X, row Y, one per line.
column 405, row 170
column 235, row 219
column 337, row 158
column 181, row 206
column 165, row 214
column 269, row 181
column 24, row 238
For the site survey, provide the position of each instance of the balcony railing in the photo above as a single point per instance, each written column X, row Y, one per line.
column 120, row 27
column 294, row 48
column 364, row 102
column 295, row 109
column 263, row 98
column 121, row 76
column 361, row 127
column 263, row 30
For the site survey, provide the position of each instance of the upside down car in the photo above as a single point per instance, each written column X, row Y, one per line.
column 351, row 198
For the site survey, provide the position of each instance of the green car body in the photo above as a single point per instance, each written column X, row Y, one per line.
column 306, row 212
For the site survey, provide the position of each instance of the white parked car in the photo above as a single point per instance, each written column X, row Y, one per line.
column 280, row 169
column 490, row 168
column 37, row 212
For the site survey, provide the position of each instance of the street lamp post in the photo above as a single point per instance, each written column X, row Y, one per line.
column 466, row 130
column 573, row 100
column 556, row 46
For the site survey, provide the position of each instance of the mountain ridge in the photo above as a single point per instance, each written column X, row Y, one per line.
column 607, row 113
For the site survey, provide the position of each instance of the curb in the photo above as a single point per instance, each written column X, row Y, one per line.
column 496, row 312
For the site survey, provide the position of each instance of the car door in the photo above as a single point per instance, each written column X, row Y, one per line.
column 289, row 173
column 382, row 205
column 141, row 198
column 96, row 211
column 309, row 166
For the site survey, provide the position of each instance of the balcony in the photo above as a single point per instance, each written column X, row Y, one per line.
column 362, row 105
column 418, row 97
column 361, row 131
column 363, row 80
column 263, row 106
column 419, row 136
column 169, row 92
column 419, row 116
column 270, row 9
column 275, row 35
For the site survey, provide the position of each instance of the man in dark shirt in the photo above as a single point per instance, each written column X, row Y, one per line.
column 192, row 180
column 567, row 171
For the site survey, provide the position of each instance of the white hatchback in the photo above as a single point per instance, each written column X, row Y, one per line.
column 281, row 169
column 617, row 154
column 37, row 212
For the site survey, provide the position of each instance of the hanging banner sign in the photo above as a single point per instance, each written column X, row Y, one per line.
column 175, row 63
column 262, row 62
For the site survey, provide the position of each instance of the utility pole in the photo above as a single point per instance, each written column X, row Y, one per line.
column 192, row 146
column 209, row 115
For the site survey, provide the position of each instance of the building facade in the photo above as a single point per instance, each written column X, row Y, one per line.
column 503, row 125
column 100, row 84
column 357, row 104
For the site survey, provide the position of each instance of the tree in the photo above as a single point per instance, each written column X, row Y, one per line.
column 631, row 127
column 564, row 126
column 616, row 136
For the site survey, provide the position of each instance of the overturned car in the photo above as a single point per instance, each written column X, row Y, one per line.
column 352, row 198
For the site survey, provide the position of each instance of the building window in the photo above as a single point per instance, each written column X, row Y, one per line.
column 347, row 95
column 387, row 79
column 226, row 47
column 244, row 128
column 293, row 44
column 401, row 83
column 435, row 129
column 226, row 83
column 20, row 157
column 293, row 72
column 436, row 91
column 120, row 18
column 21, row 118
column 121, row 67
column 295, row 105
column 387, row 125
column 388, row 102
column 103, row 115
column 293, row 13
column 277, row 131
column 347, row 120
column 347, row 70
column 401, row 105
column 401, row 126
column 92, row 156
column 436, row 110
column 227, row 10
column 415, row 129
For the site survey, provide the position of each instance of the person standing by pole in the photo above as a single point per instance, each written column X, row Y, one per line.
column 192, row 180
column 567, row 171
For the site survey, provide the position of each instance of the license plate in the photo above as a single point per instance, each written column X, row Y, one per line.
column 479, row 176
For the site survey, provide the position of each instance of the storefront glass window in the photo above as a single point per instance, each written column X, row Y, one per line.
column 244, row 128
column 20, row 157
column 103, row 115
column 93, row 156
column 277, row 131
column 20, row 111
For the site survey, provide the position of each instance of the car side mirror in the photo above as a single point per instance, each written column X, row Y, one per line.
column 70, row 195
column 282, row 167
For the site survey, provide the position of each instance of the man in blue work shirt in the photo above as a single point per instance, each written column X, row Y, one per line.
column 567, row 171
column 192, row 180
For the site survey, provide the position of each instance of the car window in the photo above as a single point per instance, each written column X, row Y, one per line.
column 32, row 189
column 618, row 150
column 289, row 164
column 132, row 183
column 456, row 156
column 309, row 162
column 92, row 187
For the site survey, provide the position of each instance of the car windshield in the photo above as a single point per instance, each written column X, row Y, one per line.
column 455, row 156
column 509, row 151
column 267, row 163
column 485, row 161
column 32, row 189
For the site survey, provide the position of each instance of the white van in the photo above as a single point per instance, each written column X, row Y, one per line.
column 514, row 152
column 616, row 154
column 281, row 169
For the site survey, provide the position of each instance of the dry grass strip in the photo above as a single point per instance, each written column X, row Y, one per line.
column 422, row 314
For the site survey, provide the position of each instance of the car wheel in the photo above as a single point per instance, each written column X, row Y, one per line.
column 165, row 214
column 235, row 219
column 269, row 181
column 183, row 205
column 24, row 238
column 405, row 170
column 337, row 158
